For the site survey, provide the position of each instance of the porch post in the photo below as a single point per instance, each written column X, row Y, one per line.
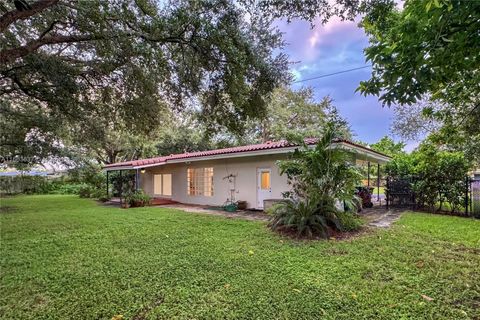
column 137, row 182
column 378, row 182
column 121, row 186
column 386, row 196
column 467, row 185
column 368, row 175
column 107, row 185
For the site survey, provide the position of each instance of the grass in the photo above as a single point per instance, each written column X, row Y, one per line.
column 375, row 190
column 70, row 258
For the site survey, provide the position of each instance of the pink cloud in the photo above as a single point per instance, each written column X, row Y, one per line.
column 333, row 33
column 306, row 44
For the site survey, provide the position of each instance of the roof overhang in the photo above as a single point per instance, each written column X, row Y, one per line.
column 363, row 153
column 118, row 168
column 237, row 155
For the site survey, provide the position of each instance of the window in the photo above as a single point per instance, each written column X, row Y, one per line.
column 265, row 180
column 162, row 184
column 200, row 182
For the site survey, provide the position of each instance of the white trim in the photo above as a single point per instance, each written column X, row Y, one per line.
column 150, row 165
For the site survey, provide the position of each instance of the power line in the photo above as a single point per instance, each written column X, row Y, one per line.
column 331, row 74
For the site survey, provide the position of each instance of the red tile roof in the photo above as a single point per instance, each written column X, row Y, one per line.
column 248, row 148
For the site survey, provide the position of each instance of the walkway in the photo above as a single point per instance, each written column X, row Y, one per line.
column 381, row 217
column 245, row 214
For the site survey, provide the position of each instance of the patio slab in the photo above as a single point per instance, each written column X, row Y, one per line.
column 384, row 219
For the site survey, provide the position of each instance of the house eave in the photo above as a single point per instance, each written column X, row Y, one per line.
column 369, row 155
column 365, row 153
column 233, row 155
column 118, row 168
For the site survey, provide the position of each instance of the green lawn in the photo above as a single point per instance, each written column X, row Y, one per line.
column 375, row 190
column 69, row 258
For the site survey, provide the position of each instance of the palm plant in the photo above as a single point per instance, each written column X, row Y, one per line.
column 307, row 217
column 323, row 180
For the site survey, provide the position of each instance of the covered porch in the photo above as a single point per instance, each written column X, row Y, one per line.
column 371, row 165
column 122, row 181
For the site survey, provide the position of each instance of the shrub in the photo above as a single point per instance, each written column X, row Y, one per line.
column 438, row 176
column 349, row 221
column 68, row 188
column 137, row 198
column 86, row 191
column 103, row 197
column 38, row 185
column 305, row 217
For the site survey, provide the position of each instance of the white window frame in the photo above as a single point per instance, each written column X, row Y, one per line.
column 162, row 185
column 200, row 182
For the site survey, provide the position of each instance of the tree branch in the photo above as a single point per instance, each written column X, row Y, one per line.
column 12, row 16
column 10, row 55
column 50, row 28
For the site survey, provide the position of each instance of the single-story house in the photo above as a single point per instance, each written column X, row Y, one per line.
column 215, row 177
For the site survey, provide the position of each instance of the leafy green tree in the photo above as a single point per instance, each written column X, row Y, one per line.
column 190, row 135
column 429, row 49
column 63, row 60
column 389, row 147
column 420, row 121
column 413, row 122
column 294, row 114
column 70, row 59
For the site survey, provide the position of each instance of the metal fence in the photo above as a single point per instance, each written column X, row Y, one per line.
column 400, row 193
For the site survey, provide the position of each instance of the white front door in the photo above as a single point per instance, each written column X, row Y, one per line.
column 264, row 186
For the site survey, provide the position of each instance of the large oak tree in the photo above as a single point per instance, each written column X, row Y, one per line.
column 65, row 65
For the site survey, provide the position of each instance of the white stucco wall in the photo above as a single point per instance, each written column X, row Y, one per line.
column 244, row 168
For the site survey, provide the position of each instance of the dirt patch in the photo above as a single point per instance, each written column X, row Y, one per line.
column 6, row 210
column 332, row 234
column 146, row 309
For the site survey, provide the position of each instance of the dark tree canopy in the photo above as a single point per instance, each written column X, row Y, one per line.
column 67, row 65
column 429, row 47
column 64, row 61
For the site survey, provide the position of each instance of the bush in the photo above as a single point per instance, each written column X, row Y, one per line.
column 438, row 176
column 67, row 188
column 85, row 181
column 306, row 218
column 86, row 191
column 138, row 199
column 37, row 185
column 349, row 221
column 102, row 196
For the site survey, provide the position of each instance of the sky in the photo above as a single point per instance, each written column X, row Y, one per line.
column 336, row 46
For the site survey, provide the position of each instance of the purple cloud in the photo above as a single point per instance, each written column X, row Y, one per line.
column 336, row 46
